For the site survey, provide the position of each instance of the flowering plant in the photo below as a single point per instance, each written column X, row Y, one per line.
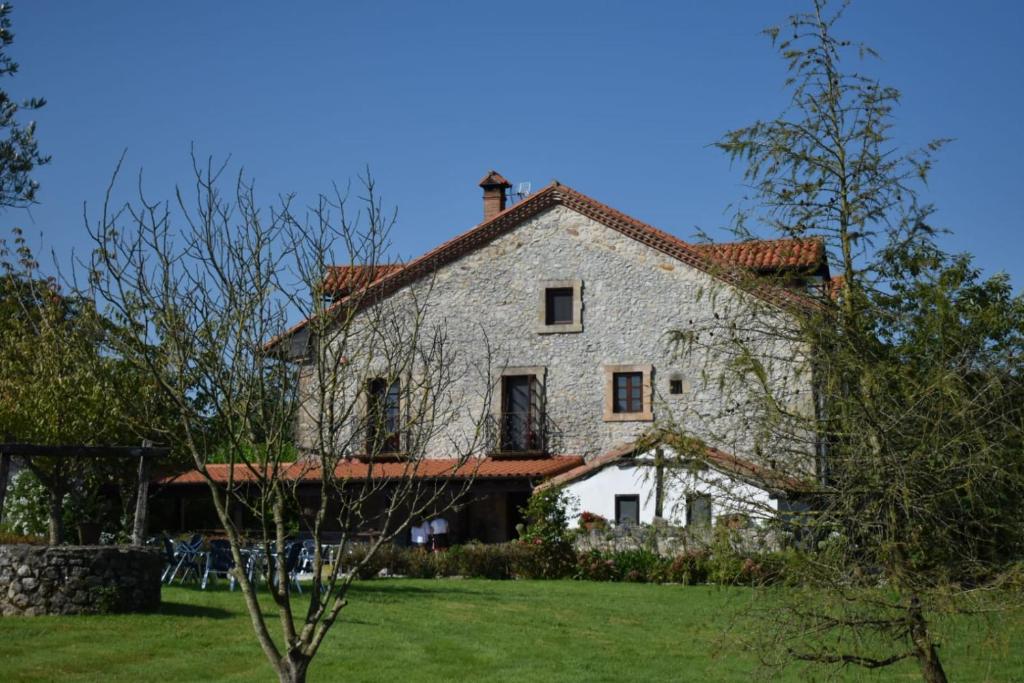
column 592, row 520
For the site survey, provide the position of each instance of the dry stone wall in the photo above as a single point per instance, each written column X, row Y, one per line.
column 37, row 580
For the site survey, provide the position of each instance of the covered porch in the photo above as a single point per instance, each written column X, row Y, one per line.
column 492, row 492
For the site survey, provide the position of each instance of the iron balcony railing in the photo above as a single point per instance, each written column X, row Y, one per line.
column 517, row 433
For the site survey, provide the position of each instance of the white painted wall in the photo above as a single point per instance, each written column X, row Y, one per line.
column 597, row 492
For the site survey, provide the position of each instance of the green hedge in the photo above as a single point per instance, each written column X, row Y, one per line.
column 532, row 560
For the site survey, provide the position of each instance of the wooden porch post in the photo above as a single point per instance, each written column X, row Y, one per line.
column 141, row 499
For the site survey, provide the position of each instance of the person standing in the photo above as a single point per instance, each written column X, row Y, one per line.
column 439, row 533
column 420, row 535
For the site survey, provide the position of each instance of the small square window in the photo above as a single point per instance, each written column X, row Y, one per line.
column 675, row 386
column 627, row 509
column 558, row 306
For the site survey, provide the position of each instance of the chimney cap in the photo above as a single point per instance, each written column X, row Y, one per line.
column 494, row 179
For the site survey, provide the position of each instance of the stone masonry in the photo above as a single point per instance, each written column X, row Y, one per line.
column 632, row 296
column 37, row 580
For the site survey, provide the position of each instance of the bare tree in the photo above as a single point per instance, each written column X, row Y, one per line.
column 348, row 404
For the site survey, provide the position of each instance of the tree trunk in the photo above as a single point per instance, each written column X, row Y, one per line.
column 5, row 473
column 293, row 668
column 927, row 653
column 56, row 516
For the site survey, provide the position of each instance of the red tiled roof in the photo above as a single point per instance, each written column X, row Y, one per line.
column 757, row 255
column 428, row 468
column 558, row 194
column 720, row 460
column 834, row 287
column 343, row 280
column 770, row 255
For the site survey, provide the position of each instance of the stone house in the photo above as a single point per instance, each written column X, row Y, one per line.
column 578, row 300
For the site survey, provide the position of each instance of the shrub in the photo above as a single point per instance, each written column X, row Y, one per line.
column 546, row 550
column 420, row 564
column 595, row 565
column 689, row 568
column 482, row 561
column 26, row 511
column 384, row 558
column 555, row 560
column 640, row 566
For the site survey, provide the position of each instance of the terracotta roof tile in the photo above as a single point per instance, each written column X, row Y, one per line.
column 770, row 255
column 430, row 468
column 834, row 287
column 343, row 280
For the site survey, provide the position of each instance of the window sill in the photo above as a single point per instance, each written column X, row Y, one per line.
column 562, row 328
column 629, row 417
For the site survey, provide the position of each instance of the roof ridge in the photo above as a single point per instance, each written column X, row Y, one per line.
column 558, row 193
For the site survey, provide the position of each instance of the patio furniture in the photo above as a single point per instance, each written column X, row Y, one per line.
column 219, row 562
column 169, row 559
column 189, row 555
column 291, row 565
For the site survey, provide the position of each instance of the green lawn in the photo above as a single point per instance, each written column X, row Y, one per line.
column 450, row 630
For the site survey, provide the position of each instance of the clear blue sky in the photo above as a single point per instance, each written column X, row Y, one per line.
column 617, row 99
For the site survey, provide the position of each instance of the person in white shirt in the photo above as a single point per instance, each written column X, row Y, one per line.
column 420, row 535
column 439, row 533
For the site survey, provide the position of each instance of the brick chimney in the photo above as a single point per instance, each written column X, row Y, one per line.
column 494, row 194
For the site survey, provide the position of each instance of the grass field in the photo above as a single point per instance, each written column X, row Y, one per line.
column 453, row 630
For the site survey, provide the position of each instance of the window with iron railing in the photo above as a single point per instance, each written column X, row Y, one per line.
column 520, row 421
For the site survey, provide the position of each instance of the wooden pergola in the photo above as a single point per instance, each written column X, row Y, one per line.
column 145, row 454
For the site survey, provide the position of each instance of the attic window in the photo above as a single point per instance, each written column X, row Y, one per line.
column 561, row 307
column 675, row 386
column 558, row 306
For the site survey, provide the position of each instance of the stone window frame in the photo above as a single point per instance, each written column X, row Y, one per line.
column 647, row 412
column 362, row 410
column 373, row 402
column 577, row 307
column 539, row 374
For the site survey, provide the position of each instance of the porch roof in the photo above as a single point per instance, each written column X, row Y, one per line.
column 360, row 470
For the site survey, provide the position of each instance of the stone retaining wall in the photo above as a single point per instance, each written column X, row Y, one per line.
column 37, row 580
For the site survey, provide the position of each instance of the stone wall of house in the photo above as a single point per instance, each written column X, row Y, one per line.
column 37, row 580
column 632, row 297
